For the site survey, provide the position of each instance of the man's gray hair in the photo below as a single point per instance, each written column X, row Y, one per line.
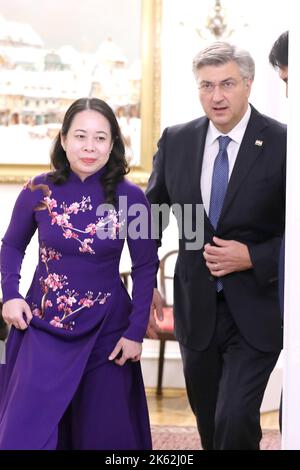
column 220, row 53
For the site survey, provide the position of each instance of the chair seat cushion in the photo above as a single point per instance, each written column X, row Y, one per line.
column 167, row 324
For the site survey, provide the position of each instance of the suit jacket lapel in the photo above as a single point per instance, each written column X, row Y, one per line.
column 248, row 153
column 194, row 164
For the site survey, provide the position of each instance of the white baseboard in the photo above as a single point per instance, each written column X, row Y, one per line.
column 271, row 399
column 173, row 374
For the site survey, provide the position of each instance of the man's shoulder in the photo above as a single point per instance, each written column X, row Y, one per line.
column 270, row 122
column 187, row 126
column 276, row 125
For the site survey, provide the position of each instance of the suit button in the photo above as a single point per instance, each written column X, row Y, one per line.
column 211, row 278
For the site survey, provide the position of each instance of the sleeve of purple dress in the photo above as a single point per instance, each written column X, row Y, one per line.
column 143, row 252
column 18, row 235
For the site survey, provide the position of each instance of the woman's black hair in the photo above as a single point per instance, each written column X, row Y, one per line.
column 116, row 167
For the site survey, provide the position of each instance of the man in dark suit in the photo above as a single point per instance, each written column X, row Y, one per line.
column 226, row 307
column 279, row 59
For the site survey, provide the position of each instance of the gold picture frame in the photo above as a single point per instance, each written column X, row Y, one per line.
column 150, row 103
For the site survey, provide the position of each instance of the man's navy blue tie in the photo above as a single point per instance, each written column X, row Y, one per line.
column 219, row 187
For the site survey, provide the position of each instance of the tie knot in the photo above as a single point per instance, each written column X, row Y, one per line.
column 223, row 141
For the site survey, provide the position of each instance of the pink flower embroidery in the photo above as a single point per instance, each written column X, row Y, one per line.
column 85, row 247
column 66, row 300
column 73, row 208
column 48, row 254
column 56, row 322
column 86, row 302
column 51, row 203
column 68, row 233
column 110, row 223
column 55, row 281
column 37, row 313
column 61, row 220
column 91, row 229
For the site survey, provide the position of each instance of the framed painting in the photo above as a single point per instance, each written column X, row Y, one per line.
column 52, row 55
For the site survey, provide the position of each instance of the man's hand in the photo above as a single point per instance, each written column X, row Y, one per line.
column 228, row 256
column 157, row 306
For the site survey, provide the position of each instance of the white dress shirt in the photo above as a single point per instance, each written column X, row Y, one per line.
column 211, row 150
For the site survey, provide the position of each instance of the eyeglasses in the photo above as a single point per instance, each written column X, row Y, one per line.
column 225, row 86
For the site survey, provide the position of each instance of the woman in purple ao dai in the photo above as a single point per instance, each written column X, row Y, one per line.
column 72, row 378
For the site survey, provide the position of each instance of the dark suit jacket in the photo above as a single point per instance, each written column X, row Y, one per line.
column 281, row 276
column 253, row 213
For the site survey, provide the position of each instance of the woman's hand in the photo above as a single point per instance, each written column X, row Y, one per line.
column 15, row 311
column 126, row 349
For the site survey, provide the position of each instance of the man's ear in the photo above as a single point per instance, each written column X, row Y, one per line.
column 249, row 85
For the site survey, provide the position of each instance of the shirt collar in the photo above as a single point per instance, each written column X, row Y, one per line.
column 236, row 134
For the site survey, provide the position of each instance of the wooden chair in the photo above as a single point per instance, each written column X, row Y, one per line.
column 166, row 333
column 3, row 326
